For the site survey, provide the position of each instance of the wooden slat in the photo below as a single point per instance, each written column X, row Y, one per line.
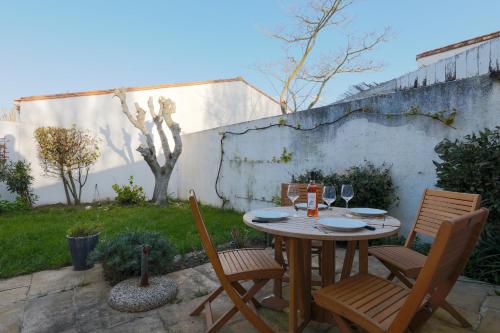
column 449, row 200
column 451, row 208
column 451, row 195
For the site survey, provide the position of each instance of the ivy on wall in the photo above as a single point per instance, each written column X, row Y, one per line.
column 445, row 117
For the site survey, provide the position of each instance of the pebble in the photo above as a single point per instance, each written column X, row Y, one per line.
column 127, row 296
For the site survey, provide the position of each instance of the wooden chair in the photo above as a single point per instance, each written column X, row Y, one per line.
column 378, row 305
column 232, row 267
column 316, row 246
column 435, row 207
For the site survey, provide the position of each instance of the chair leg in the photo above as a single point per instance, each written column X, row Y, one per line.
column 213, row 295
column 343, row 325
column 245, row 310
column 445, row 305
column 241, row 290
column 455, row 314
column 319, row 261
column 403, row 279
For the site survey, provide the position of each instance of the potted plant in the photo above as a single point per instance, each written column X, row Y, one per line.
column 82, row 239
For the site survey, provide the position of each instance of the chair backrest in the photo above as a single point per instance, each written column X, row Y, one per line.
column 205, row 237
column 452, row 247
column 302, row 194
column 437, row 206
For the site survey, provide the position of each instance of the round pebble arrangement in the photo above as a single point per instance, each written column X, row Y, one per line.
column 127, row 296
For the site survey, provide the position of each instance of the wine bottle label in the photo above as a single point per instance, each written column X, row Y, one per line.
column 311, row 200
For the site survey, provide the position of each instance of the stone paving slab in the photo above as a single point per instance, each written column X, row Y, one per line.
column 13, row 295
column 11, row 317
column 45, row 282
column 75, row 302
column 16, row 282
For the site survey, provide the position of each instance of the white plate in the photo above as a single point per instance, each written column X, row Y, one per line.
column 368, row 211
column 341, row 224
column 303, row 206
column 271, row 214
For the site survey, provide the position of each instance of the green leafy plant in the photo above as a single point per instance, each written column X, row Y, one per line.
column 373, row 186
column 130, row 194
column 8, row 206
column 239, row 237
column 17, row 176
column 84, row 229
column 276, row 200
column 121, row 254
column 285, row 157
column 471, row 165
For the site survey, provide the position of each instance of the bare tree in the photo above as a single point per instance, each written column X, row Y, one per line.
column 161, row 173
column 302, row 78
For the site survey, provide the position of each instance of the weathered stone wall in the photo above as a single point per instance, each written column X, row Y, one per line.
column 250, row 175
column 482, row 59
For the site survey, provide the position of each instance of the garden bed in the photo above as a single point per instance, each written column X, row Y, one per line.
column 35, row 240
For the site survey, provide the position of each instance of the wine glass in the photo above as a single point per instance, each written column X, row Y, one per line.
column 347, row 194
column 293, row 195
column 329, row 195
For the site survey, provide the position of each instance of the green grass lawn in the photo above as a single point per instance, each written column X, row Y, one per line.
column 35, row 240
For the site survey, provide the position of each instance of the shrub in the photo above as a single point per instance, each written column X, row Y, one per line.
column 130, row 194
column 8, row 206
column 472, row 165
column 372, row 185
column 68, row 154
column 17, row 176
column 84, row 229
column 121, row 254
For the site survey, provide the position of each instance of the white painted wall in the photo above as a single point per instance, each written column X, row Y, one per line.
column 199, row 107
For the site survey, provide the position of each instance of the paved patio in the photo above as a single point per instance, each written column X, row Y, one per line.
column 67, row 301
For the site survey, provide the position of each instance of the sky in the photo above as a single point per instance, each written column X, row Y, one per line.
column 51, row 47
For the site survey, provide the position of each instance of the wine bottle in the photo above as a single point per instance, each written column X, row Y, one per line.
column 312, row 199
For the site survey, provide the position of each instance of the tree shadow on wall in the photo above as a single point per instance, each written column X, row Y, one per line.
column 125, row 152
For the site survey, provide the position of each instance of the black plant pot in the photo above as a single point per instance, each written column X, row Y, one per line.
column 80, row 248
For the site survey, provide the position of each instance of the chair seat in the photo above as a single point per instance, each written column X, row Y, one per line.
column 368, row 301
column 404, row 259
column 249, row 264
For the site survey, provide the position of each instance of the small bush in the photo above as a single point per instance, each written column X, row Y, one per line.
column 8, row 206
column 17, row 176
column 372, row 185
column 84, row 229
column 472, row 165
column 121, row 254
column 130, row 194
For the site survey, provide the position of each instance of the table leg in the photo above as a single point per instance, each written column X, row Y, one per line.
column 300, row 293
column 293, row 284
column 327, row 278
column 350, row 251
column 328, row 263
column 305, row 262
column 363, row 256
column 276, row 301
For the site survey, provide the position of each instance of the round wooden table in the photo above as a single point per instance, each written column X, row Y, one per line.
column 297, row 233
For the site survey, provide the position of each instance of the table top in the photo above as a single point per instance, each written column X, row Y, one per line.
column 307, row 227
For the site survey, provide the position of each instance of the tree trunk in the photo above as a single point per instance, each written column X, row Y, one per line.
column 162, row 173
column 65, row 184
column 160, row 191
